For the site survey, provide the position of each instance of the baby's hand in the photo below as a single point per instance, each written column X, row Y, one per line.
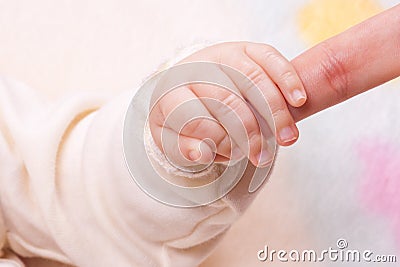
column 272, row 73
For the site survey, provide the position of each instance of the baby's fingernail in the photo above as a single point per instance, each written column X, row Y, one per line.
column 194, row 155
column 287, row 134
column 265, row 158
column 298, row 96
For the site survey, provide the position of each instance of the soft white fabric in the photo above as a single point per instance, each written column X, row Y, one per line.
column 66, row 193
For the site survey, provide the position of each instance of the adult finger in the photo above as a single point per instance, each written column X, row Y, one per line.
column 350, row 63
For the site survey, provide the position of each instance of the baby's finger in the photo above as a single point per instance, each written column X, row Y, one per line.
column 286, row 130
column 280, row 70
column 183, row 151
column 264, row 92
column 181, row 111
column 232, row 111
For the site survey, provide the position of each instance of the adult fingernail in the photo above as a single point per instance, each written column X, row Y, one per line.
column 265, row 158
column 287, row 134
column 298, row 96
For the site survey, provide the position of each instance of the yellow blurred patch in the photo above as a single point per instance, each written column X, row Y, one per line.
column 321, row 19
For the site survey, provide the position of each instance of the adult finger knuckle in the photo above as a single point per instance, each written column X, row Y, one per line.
column 334, row 71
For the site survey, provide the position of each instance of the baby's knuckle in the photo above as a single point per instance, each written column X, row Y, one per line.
column 253, row 73
column 269, row 54
column 231, row 100
column 287, row 75
column 234, row 107
column 194, row 126
column 256, row 75
column 277, row 110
